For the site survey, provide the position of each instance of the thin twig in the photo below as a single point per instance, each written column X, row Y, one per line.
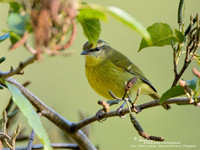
column 20, row 42
column 30, row 49
column 18, row 70
column 31, row 139
column 53, row 145
column 71, row 40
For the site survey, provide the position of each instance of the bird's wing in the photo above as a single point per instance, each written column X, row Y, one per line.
column 124, row 63
column 135, row 71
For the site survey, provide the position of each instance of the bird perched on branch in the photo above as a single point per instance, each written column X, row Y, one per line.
column 108, row 69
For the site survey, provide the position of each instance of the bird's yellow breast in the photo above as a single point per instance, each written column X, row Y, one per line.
column 106, row 76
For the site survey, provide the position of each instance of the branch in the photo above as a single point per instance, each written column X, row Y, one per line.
column 139, row 108
column 193, row 41
column 181, row 14
column 54, row 117
column 53, row 145
column 18, row 70
column 71, row 40
column 31, row 139
column 20, row 42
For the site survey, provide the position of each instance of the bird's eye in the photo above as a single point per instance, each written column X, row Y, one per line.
column 97, row 49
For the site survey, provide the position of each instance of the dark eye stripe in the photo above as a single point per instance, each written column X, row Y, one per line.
column 95, row 49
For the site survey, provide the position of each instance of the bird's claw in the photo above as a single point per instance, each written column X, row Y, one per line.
column 99, row 116
column 119, row 110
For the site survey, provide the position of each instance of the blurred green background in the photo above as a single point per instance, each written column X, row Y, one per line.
column 61, row 83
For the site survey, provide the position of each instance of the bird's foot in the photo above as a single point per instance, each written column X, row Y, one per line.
column 99, row 116
column 120, row 111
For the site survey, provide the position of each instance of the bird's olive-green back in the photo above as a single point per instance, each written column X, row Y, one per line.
column 121, row 61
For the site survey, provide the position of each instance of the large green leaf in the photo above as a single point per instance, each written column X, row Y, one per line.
column 15, row 7
column 161, row 35
column 91, row 13
column 91, row 28
column 130, row 21
column 89, row 16
column 27, row 109
column 172, row 92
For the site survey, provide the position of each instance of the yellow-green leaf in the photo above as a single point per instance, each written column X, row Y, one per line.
column 27, row 109
column 161, row 35
column 172, row 92
column 91, row 28
column 126, row 18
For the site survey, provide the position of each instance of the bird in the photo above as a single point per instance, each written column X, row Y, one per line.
column 108, row 69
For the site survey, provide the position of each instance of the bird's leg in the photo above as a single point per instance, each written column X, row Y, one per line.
column 99, row 115
column 128, row 86
column 137, row 97
column 120, row 109
column 116, row 101
column 125, row 102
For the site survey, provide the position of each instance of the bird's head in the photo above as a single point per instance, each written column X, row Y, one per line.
column 96, row 55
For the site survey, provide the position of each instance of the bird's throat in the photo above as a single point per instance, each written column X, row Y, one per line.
column 93, row 60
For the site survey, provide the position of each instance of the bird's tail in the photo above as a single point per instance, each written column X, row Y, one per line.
column 156, row 96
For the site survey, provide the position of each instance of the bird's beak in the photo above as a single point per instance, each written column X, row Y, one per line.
column 85, row 52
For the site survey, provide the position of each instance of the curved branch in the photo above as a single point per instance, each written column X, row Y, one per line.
column 139, row 108
column 54, row 117
column 73, row 129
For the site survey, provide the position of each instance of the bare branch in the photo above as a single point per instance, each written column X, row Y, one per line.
column 59, row 121
column 193, row 41
column 71, row 40
column 139, row 108
column 18, row 70
column 53, row 145
column 20, row 42
column 31, row 139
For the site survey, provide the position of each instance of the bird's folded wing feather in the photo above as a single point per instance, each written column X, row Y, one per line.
column 124, row 63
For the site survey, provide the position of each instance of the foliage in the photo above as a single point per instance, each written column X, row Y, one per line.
column 27, row 109
column 53, row 25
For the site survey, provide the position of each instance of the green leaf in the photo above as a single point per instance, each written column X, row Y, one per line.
column 172, row 92
column 179, row 36
column 197, row 57
column 91, row 28
column 27, row 109
column 161, row 35
column 2, row 59
column 130, row 21
column 14, row 37
column 5, row 36
column 90, row 13
column 17, row 23
column 15, row 7
column 192, row 83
